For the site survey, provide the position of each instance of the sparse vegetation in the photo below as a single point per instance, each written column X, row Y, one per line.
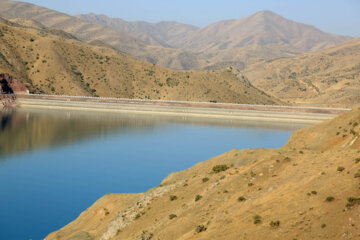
column 205, row 179
column 257, row 219
column 357, row 160
column 323, row 225
column 351, row 201
column 329, row 199
column 241, row 199
column 198, row 197
column 172, row 216
column 275, row 223
column 340, row 169
column 220, row 168
column 200, row 228
column 173, row 197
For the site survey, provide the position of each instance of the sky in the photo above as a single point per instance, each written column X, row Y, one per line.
column 334, row 16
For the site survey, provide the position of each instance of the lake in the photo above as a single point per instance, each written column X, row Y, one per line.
column 55, row 164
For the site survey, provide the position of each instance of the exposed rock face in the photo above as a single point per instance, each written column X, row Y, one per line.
column 9, row 85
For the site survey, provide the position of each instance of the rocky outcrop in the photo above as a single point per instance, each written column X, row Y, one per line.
column 7, row 101
column 9, row 85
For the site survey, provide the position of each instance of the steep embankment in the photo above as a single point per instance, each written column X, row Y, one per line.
column 308, row 189
column 54, row 62
column 329, row 77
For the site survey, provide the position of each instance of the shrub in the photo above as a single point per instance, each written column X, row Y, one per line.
column 357, row 160
column 340, row 169
column 250, row 184
column 198, row 197
column 137, row 216
column 330, row 199
column 323, row 225
column 172, row 82
column 173, row 197
column 357, row 175
column 31, row 39
column 275, row 223
column 205, row 179
column 200, row 228
column 257, row 219
column 52, row 89
column 241, row 199
column 1, row 34
column 314, row 192
column 220, row 168
column 352, row 201
column 172, row 216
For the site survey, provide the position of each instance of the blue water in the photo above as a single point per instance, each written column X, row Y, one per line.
column 50, row 181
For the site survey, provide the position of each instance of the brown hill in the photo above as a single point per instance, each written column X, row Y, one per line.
column 329, row 77
column 261, row 28
column 308, row 189
column 168, row 57
column 151, row 33
column 55, row 64
column 262, row 35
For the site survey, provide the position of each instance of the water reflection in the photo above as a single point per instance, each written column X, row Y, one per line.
column 27, row 130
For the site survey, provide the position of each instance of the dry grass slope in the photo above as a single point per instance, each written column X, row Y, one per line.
column 308, row 189
column 56, row 63
column 329, row 77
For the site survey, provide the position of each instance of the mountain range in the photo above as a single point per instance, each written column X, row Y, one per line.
column 180, row 46
column 55, row 62
column 261, row 35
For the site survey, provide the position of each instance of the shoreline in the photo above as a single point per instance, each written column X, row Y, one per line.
column 182, row 109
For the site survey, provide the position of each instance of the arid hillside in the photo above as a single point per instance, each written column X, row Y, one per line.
column 308, row 189
column 52, row 61
column 231, row 42
column 85, row 31
column 329, row 77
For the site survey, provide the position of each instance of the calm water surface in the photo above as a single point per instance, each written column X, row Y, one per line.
column 55, row 164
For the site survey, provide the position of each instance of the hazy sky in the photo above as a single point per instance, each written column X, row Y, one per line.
column 335, row 16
